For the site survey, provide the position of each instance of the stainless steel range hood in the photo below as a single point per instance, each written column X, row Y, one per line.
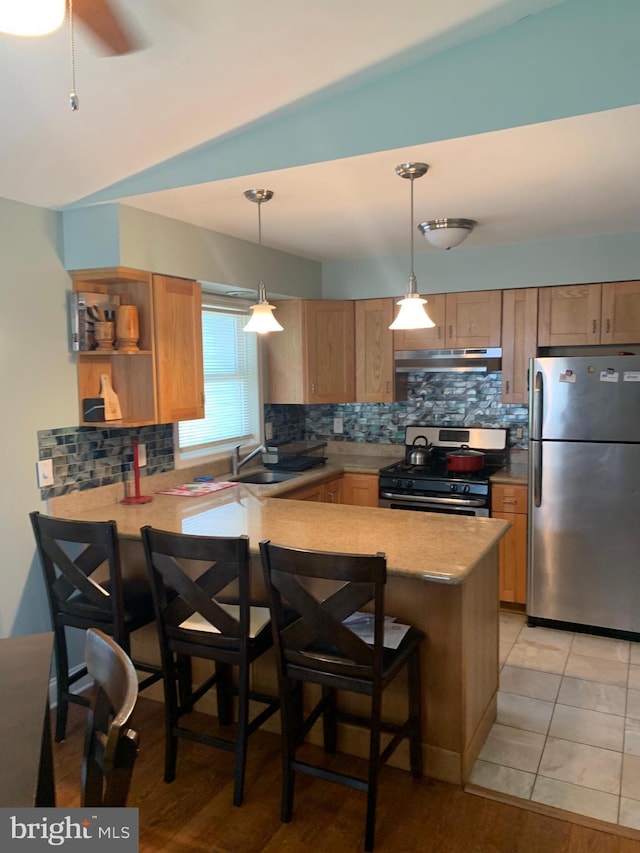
column 442, row 361
column 448, row 360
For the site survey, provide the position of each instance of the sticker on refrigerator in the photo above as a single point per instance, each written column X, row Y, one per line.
column 609, row 375
column 567, row 376
column 631, row 376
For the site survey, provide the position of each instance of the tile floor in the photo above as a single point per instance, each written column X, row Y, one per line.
column 567, row 732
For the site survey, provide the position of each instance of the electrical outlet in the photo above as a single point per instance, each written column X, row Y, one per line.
column 519, row 432
column 338, row 426
column 44, row 470
column 142, row 455
column 268, row 431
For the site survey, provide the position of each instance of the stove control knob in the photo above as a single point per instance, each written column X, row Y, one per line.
column 453, row 487
column 465, row 489
column 409, row 484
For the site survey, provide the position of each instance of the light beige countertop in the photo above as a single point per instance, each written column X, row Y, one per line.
column 428, row 546
column 516, row 473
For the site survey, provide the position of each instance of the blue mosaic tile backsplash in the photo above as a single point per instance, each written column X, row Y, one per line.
column 88, row 457
column 435, row 399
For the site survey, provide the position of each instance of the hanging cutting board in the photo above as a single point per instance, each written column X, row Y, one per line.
column 111, row 403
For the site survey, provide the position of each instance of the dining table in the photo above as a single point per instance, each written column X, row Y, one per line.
column 26, row 769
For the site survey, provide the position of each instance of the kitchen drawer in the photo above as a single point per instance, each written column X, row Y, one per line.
column 509, row 499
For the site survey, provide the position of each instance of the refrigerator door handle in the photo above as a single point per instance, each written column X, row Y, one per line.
column 537, row 401
column 536, row 450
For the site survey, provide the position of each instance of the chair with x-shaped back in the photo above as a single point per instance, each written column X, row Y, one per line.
column 324, row 589
column 85, row 589
column 203, row 610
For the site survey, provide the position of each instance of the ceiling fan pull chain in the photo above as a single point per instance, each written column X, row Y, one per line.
column 74, row 101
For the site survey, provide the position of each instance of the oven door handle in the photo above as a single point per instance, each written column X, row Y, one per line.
column 390, row 496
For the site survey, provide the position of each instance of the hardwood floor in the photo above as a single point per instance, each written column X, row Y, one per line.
column 195, row 812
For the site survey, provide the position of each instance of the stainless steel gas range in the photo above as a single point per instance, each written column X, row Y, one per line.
column 433, row 486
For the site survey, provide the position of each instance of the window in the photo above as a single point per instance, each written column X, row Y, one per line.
column 232, row 391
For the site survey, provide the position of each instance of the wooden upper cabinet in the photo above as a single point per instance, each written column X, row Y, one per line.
column 569, row 316
column 474, row 319
column 312, row 360
column 434, row 338
column 330, row 351
column 178, row 322
column 584, row 314
column 162, row 382
column 519, row 329
column 620, row 312
column 462, row 320
column 374, row 350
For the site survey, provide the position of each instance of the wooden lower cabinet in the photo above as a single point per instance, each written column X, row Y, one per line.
column 510, row 504
column 329, row 491
column 352, row 489
column 360, row 489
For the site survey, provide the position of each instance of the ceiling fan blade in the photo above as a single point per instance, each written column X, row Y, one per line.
column 106, row 25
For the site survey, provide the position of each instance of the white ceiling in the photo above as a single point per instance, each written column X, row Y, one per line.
column 208, row 68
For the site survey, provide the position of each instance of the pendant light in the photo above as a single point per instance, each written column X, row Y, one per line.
column 31, row 17
column 412, row 313
column 262, row 319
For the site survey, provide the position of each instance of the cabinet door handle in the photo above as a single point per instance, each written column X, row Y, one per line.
column 594, row 327
column 450, row 331
column 608, row 326
column 508, row 501
column 387, row 384
column 439, row 332
column 313, row 388
column 507, row 387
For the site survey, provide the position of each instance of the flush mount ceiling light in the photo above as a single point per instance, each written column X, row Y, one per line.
column 31, row 17
column 447, row 233
column 412, row 313
column 262, row 319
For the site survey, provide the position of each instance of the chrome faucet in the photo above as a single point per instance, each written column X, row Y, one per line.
column 237, row 462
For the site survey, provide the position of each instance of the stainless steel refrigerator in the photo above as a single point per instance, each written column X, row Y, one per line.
column 584, row 492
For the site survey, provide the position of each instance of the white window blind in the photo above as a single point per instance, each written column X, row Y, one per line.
column 230, row 384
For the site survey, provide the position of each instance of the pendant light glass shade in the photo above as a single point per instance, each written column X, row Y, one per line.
column 262, row 319
column 31, row 17
column 412, row 313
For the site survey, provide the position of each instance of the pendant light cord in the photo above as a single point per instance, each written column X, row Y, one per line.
column 74, row 103
column 259, row 222
column 412, row 277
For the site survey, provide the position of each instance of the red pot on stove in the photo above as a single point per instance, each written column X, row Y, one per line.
column 465, row 459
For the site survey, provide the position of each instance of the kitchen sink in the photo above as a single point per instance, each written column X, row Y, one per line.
column 264, row 477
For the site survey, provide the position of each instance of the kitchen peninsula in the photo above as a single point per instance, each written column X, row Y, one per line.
column 442, row 577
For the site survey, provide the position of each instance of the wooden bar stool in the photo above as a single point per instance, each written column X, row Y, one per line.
column 81, row 565
column 318, row 647
column 203, row 610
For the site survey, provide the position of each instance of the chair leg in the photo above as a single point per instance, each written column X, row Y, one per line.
column 289, row 706
column 241, row 735
column 374, row 766
column 329, row 725
column 62, row 682
column 224, row 694
column 415, row 714
column 171, row 717
column 185, row 678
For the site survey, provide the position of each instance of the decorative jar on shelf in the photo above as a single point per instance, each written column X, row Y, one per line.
column 127, row 328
